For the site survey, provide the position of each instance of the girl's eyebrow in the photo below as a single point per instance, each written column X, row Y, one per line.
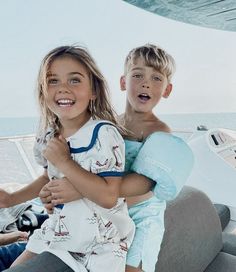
column 77, row 73
column 71, row 74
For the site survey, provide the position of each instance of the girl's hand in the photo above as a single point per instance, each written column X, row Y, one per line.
column 57, row 151
column 5, row 199
column 62, row 191
column 46, row 198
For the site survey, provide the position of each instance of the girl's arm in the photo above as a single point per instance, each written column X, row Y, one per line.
column 28, row 192
column 102, row 190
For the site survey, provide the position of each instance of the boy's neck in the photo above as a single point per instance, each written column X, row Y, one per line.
column 142, row 124
column 131, row 115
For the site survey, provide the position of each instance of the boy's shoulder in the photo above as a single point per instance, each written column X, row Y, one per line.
column 156, row 126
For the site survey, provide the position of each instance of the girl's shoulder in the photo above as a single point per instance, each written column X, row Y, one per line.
column 85, row 138
column 93, row 127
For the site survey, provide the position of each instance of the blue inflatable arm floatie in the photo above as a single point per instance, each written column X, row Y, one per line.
column 167, row 160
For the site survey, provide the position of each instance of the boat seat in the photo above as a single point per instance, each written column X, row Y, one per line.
column 193, row 239
column 224, row 214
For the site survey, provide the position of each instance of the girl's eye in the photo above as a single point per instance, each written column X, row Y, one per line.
column 75, row 80
column 52, row 81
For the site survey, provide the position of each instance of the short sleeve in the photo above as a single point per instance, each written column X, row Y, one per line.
column 39, row 146
column 108, row 153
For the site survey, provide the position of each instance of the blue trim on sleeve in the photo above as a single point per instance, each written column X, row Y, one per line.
column 111, row 174
column 59, row 206
column 93, row 140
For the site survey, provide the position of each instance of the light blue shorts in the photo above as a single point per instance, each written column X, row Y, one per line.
column 148, row 217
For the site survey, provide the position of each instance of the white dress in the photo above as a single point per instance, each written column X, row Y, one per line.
column 84, row 235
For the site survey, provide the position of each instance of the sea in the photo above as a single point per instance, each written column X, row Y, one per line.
column 191, row 121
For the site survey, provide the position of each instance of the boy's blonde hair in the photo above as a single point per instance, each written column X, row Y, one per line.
column 100, row 108
column 153, row 56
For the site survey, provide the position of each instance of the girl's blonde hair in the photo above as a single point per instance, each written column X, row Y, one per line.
column 153, row 56
column 100, row 108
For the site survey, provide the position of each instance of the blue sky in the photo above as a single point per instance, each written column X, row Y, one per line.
column 205, row 80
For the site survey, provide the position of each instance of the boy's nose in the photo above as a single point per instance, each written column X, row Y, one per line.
column 145, row 86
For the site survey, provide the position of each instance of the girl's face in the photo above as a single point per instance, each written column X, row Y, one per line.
column 68, row 90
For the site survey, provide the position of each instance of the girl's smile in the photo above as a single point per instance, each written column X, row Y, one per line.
column 65, row 102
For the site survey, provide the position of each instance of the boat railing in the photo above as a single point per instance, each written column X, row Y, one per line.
column 17, row 160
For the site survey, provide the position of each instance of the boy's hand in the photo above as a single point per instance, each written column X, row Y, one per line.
column 12, row 237
column 57, row 151
column 46, row 198
column 5, row 199
column 62, row 191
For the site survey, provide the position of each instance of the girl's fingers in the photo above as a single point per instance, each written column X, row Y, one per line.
column 58, row 201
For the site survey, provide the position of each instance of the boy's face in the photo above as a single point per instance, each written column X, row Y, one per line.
column 145, row 86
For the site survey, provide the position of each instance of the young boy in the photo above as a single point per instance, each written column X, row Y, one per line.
column 147, row 78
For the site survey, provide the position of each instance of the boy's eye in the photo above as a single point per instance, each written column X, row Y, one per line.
column 137, row 76
column 52, row 81
column 156, row 78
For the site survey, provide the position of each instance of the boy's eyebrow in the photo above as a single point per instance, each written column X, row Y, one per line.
column 142, row 69
column 71, row 74
column 137, row 68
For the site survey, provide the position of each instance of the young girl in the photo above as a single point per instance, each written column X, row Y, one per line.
column 152, row 152
column 94, row 232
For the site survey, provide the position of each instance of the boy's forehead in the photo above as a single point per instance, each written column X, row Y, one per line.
column 140, row 64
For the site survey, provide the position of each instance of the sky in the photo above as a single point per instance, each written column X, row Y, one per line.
column 205, row 80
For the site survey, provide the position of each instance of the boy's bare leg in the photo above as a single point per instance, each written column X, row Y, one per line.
column 26, row 255
column 132, row 269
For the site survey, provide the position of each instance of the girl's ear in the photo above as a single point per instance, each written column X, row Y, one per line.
column 93, row 97
column 167, row 91
column 122, row 83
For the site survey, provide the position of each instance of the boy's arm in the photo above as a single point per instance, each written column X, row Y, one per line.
column 28, row 192
column 135, row 184
column 102, row 190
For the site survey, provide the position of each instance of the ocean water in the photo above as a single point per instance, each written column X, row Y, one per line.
column 24, row 126
column 18, row 126
column 192, row 121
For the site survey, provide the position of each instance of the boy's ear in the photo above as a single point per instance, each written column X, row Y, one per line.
column 122, row 83
column 167, row 91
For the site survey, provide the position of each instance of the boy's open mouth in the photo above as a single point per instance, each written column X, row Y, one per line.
column 65, row 102
column 144, row 97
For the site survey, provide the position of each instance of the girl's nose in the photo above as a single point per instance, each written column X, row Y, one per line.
column 63, row 88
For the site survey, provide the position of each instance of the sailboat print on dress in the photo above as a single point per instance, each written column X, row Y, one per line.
column 61, row 229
